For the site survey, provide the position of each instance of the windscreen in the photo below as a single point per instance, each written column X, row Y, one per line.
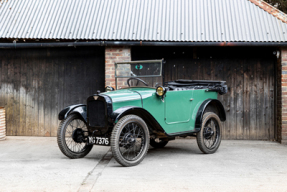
column 148, row 71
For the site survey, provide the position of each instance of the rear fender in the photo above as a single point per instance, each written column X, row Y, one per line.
column 80, row 109
column 215, row 103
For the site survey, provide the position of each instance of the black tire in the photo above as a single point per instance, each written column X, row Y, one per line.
column 209, row 137
column 130, row 140
column 67, row 145
column 157, row 143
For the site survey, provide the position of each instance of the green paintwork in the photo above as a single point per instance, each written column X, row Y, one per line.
column 176, row 113
column 124, row 97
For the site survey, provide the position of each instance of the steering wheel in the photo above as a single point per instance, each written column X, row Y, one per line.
column 128, row 81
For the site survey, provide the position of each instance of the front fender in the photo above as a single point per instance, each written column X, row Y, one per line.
column 141, row 112
column 117, row 114
column 80, row 109
column 200, row 112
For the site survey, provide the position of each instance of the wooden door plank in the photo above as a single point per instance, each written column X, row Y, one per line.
column 55, row 92
column 239, row 101
column 41, row 96
column 61, row 83
column 229, row 101
column 23, row 92
column 30, row 94
column 260, row 102
column 271, row 82
column 174, row 72
column 232, row 117
column 9, row 95
column 223, row 98
column 2, row 96
column 4, row 73
column 192, row 70
column 34, row 90
column 206, row 69
column 246, row 95
column 47, row 92
column 266, row 107
column 253, row 99
column 168, row 71
column 200, row 71
column 16, row 92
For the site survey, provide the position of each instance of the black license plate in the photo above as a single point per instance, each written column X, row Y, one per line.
column 100, row 141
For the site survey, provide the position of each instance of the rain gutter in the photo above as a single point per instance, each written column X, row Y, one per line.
column 16, row 45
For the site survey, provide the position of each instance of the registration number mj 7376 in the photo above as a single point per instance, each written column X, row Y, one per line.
column 99, row 140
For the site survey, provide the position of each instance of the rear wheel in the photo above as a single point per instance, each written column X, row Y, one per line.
column 130, row 140
column 209, row 137
column 71, row 137
column 157, row 143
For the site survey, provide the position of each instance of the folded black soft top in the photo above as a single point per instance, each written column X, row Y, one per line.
column 184, row 82
column 218, row 86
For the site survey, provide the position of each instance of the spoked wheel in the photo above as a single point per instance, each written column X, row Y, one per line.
column 130, row 140
column 209, row 137
column 157, row 143
column 72, row 137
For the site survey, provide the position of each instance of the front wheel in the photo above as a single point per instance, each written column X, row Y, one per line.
column 71, row 137
column 130, row 140
column 209, row 137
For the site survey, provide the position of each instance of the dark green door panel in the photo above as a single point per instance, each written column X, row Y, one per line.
column 178, row 106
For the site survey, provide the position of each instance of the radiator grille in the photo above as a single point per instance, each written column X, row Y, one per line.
column 96, row 113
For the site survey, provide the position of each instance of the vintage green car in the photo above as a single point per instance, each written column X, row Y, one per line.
column 137, row 115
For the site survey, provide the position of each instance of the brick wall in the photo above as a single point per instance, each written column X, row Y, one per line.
column 282, row 102
column 112, row 55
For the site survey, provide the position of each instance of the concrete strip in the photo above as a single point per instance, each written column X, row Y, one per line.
column 93, row 175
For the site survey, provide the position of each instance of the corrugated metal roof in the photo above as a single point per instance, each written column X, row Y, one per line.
column 148, row 20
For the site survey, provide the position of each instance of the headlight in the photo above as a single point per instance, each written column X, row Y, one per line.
column 160, row 91
column 109, row 88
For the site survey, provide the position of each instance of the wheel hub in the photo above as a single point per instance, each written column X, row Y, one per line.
column 78, row 135
column 208, row 133
column 129, row 140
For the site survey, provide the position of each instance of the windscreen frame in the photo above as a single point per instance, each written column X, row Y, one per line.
column 160, row 61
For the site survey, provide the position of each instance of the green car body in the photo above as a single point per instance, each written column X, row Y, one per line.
column 178, row 113
column 175, row 114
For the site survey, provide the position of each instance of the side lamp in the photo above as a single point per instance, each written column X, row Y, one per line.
column 109, row 88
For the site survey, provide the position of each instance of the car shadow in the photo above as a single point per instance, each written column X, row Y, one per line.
column 167, row 151
column 171, row 150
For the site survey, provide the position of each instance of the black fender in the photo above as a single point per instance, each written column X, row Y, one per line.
column 80, row 109
column 139, row 111
column 214, row 102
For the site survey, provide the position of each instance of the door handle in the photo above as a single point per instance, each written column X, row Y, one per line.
column 191, row 99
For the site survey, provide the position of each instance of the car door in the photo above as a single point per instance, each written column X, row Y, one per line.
column 178, row 106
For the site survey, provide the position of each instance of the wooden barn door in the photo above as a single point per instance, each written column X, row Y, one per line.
column 37, row 83
column 249, row 73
